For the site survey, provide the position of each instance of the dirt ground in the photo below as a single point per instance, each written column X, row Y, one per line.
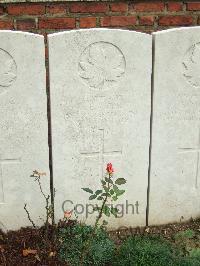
column 27, row 246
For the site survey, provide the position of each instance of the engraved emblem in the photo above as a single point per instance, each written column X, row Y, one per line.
column 8, row 70
column 191, row 65
column 101, row 65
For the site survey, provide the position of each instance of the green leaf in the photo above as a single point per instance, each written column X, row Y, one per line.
column 115, row 198
column 114, row 211
column 120, row 192
column 106, row 194
column 120, row 181
column 98, row 192
column 106, row 210
column 88, row 190
column 115, row 188
column 106, row 189
column 108, row 180
column 117, row 191
column 100, row 198
column 112, row 192
column 92, row 197
column 103, row 182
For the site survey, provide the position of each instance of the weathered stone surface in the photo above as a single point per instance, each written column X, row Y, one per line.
column 23, row 128
column 100, row 98
column 175, row 168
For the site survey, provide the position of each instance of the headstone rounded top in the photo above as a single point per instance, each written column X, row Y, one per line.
column 98, row 30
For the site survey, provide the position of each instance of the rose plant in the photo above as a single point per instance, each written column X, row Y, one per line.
column 109, row 191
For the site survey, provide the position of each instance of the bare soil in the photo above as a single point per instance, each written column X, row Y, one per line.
column 28, row 246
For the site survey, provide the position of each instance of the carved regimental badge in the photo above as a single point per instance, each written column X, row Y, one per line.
column 191, row 65
column 101, row 65
column 8, row 70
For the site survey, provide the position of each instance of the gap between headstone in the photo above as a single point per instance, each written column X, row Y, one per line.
column 151, row 123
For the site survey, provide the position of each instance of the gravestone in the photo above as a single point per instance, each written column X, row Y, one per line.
column 100, row 83
column 23, row 128
column 175, row 165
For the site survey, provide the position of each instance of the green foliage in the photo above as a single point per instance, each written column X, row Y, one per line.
column 195, row 253
column 186, row 261
column 74, row 241
column 192, row 259
column 106, row 210
column 92, row 197
column 183, row 235
column 151, row 251
column 109, row 191
column 114, row 211
column 120, row 181
column 99, row 191
column 135, row 251
column 88, row 190
column 155, row 251
column 188, row 243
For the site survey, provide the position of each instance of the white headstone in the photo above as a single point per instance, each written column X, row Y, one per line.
column 175, row 162
column 23, row 128
column 100, row 83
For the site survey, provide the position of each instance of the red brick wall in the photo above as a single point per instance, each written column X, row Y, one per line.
column 146, row 16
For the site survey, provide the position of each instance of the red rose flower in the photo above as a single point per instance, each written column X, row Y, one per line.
column 109, row 168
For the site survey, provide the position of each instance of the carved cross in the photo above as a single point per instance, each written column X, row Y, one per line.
column 197, row 151
column 101, row 153
column 5, row 161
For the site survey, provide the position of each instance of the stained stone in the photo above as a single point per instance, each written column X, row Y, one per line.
column 100, row 83
column 175, row 163
column 23, row 128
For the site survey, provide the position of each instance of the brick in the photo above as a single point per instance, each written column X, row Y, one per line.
column 146, row 20
column 148, row 7
column 118, row 21
column 6, row 24
column 119, row 7
column 56, row 9
column 175, row 20
column 175, row 6
column 56, row 23
column 88, row 7
column 26, row 9
column 26, row 24
column 193, row 6
column 89, row 22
